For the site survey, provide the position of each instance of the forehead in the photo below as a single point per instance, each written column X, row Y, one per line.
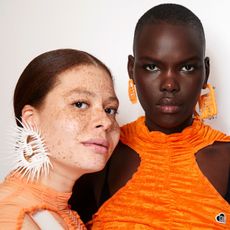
column 87, row 76
column 164, row 37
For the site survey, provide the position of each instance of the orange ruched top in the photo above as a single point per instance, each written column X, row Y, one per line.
column 168, row 191
column 18, row 198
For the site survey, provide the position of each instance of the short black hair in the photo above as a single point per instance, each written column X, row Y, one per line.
column 172, row 14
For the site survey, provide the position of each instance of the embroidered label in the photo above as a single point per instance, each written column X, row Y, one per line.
column 221, row 218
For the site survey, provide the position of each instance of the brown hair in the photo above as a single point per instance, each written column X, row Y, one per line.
column 39, row 77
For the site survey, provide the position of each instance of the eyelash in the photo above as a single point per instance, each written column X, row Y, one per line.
column 79, row 104
column 190, row 66
column 151, row 67
column 108, row 110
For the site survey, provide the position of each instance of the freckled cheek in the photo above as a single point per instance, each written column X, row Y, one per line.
column 62, row 136
column 68, row 125
column 62, row 151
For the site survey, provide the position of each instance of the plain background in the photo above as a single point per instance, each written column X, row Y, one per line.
column 105, row 29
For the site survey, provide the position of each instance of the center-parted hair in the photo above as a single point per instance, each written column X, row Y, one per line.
column 40, row 76
column 172, row 14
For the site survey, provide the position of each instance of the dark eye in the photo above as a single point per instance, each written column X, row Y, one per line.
column 111, row 111
column 187, row 68
column 81, row 105
column 151, row 67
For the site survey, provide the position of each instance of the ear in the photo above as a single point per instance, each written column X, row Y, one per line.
column 29, row 115
column 130, row 66
column 207, row 71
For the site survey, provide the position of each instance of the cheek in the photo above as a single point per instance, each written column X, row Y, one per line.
column 62, row 123
column 62, row 132
column 192, row 92
column 148, row 87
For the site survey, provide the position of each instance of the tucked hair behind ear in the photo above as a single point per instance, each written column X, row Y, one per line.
column 39, row 77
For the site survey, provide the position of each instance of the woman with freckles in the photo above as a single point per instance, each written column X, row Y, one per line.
column 65, row 107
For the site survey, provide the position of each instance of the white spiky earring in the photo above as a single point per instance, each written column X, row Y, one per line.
column 30, row 153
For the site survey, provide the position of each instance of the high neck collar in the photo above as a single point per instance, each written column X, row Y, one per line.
column 143, row 132
column 48, row 196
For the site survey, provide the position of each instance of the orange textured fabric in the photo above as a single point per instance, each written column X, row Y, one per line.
column 18, row 198
column 168, row 191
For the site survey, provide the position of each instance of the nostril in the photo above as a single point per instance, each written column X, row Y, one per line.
column 170, row 85
column 98, row 126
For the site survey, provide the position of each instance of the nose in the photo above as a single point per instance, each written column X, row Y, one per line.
column 169, row 83
column 102, row 120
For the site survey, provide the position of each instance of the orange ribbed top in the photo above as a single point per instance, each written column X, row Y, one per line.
column 168, row 191
column 18, row 198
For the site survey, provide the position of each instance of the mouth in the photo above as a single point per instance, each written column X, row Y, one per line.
column 97, row 145
column 169, row 106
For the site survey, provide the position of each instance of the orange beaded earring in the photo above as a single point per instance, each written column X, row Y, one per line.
column 207, row 104
column 132, row 92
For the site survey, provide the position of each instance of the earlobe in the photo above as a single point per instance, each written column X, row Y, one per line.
column 130, row 66
column 207, row 71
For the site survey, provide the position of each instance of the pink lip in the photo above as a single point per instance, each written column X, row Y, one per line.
column 168, row 105
column 98, row 145
column 168, row 108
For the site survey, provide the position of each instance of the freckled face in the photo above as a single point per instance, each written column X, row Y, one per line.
column 78, row 121
column 169, row 70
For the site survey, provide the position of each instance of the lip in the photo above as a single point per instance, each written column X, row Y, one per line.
column 168, row 105
column 98, row 145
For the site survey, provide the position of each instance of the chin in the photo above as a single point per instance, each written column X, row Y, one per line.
column 95, row 166
column 173, row 125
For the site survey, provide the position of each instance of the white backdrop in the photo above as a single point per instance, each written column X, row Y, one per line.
column 105, row 29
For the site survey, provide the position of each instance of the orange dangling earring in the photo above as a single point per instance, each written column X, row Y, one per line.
column 132, row 92
column 207, row 104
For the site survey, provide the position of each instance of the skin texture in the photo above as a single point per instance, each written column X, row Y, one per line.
column 76, row 119
column 78, row 123
column 169, row 69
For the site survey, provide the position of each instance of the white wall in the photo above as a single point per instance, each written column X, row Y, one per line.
column 105, row 29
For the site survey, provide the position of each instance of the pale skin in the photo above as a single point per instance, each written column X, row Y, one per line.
column 78, row 123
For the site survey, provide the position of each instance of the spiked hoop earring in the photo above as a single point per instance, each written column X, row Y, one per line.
column 132, row 92
column 207, row 104
column 30, row 153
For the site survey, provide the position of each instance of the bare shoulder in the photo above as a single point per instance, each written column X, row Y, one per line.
column 29, row 224
column 214, row 162
column 225, row 146
column 219, row 150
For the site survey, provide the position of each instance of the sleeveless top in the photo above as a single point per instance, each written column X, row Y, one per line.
column 19, row 197
column 168, row 190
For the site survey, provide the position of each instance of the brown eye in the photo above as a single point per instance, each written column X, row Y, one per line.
column 151, row 67
column 187, row 68
column 81, row 105
column 111, row 111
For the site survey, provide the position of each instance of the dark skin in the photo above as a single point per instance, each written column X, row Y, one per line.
column 169, row 69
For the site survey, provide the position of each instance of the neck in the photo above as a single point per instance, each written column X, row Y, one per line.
column 168, row 128
column 61, row 177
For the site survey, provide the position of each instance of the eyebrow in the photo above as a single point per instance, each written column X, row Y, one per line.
column 152, row 59
column 88, row 93
column 113, row 99
column 80, row 91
